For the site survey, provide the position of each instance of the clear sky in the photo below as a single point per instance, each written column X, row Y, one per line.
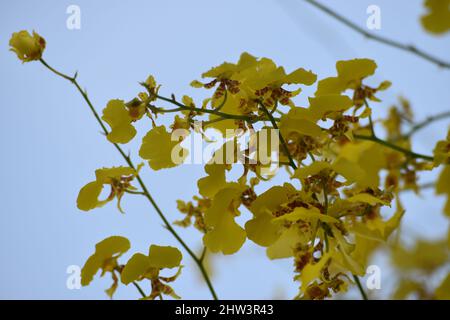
column 51, row 144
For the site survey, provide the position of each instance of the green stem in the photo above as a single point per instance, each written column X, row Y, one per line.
column 372, row 129
column 283, row 142
column 207, row 123
column 175, row 234
column 217, row 113
column 392, row 43
column 325, row 198
column 223, row 101
column 373, row 137
column 140, row 181
column 394, row 147
column 71, row 79
column 139, row 289
column 360, row 288
column 135, row 192
column 203, row 255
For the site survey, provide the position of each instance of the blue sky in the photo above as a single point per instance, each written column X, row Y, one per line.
column 51, row 144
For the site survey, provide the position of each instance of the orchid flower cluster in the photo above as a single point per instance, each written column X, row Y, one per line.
column 339, row 204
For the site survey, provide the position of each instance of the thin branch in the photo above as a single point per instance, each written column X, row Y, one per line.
column 207, row 123
column 325, row 209
column 373, row 137
column 426, row 122
column 203, row 255
column 223, row 101
column 283, row 142
column 138, row 287
column 139, row 179
column 217, row 113
column 135, row 192
column 360, row 288
column 407, row 152
column 389, row 42
column 372, row 130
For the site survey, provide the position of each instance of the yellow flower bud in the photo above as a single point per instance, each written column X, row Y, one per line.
column 27, row 47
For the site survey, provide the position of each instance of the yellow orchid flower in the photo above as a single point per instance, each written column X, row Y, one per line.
column 255, row 80
column 119, row 179
column 105, row 258
column 161, row 151
column 223, row 233
column 141, row 267
column 441, row 151
column 350, row 75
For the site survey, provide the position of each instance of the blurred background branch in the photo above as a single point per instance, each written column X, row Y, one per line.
column 389, row 42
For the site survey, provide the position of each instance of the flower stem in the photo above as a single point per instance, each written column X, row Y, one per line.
column 138, row 287
column 283, row 142
column 394, row 147
column 140, row 181
column 203, row 255
column 215, row 112
column 360, row 288
column 373, row 137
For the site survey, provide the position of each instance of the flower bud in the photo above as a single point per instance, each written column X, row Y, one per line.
column 27, row 47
